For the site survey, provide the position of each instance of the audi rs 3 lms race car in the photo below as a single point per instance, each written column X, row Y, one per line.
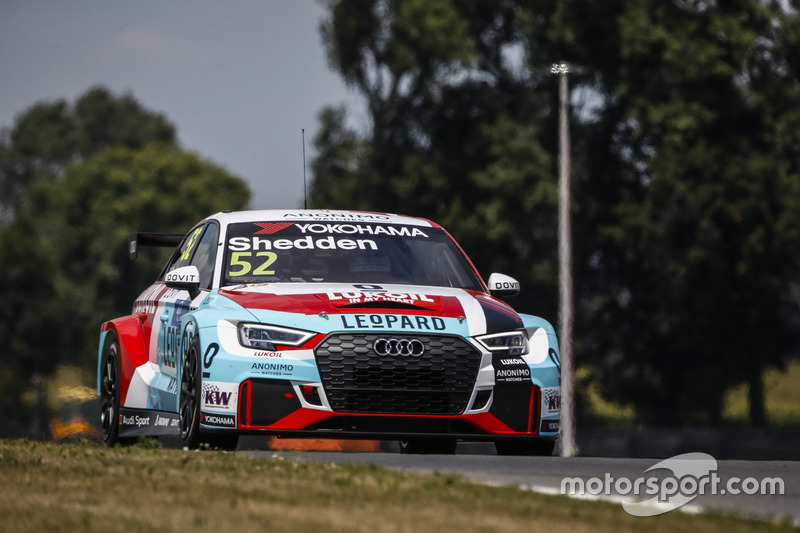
column 327, row 324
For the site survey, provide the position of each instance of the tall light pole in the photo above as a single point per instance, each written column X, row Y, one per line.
column 569, row 447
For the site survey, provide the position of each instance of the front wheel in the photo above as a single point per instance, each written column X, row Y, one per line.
column 189, row 398
column 191, row 389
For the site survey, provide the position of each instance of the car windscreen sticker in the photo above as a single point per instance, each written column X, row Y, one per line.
column 361, row 229
column 338, row 216
column 187, row 250
column 244, row 244
column 343, row 252
column 268, row 228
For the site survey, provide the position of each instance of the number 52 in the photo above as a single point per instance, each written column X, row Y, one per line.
column 240, row 259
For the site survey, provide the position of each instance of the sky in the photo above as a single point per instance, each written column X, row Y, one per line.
column 239, row 79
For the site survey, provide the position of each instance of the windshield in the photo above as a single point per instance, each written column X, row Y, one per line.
column 272, row 252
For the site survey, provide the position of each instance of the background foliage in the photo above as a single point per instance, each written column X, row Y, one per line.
column 686, row 151
column 75, row 181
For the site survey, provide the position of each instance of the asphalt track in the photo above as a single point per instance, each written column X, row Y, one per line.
column 545, row 474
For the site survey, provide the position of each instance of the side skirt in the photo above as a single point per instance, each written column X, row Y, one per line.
column 141, row 422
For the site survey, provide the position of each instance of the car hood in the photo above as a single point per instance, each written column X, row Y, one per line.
column 483, row 312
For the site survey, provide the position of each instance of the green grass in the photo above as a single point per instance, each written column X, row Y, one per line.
column 82, row 487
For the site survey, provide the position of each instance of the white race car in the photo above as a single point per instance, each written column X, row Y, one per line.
column 327, row 324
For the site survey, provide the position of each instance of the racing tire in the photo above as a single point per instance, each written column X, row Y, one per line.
column 110, row 394
column 429, row 446
column 191, row 436
column 529, row 447
column 188, row 401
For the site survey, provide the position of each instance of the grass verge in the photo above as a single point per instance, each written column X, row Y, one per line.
column 82, row 487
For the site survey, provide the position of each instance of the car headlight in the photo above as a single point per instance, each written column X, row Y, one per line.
column 512, row 343
column 263, row 337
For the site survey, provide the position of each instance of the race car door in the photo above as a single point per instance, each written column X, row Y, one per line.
column 199, row 249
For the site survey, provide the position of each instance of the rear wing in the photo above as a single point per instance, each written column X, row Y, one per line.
column 138, row 238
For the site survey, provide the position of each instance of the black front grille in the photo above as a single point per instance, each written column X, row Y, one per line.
column 358, row 380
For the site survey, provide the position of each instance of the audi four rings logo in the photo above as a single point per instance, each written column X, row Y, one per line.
column 398, row 347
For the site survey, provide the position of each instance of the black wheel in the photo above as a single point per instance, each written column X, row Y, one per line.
column 539, row 447
column 191, row 387
column 109, row 394
column 189, row 397
column 429, row 446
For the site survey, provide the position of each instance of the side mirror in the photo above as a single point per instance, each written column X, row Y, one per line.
column 502, row 286
column 185, row 278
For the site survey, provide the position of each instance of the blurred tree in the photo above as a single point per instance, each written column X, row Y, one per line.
column 98, row 204
column 74, row 182
column 455, row 131
column 27, row 316
column 689, row 254
column 47, row 137
column 685, row 163
column 341, row 157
